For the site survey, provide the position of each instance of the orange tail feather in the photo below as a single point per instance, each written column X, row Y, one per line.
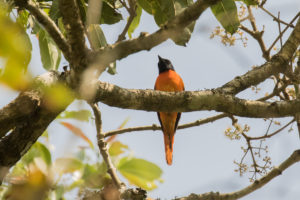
column 169, row 140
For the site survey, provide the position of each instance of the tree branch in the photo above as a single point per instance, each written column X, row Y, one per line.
column 103, row 150
column 33, row 123
column 120, row 50
column 258, row 35
column 269, row 135
column 18, row 110
column 294, row 158
column 75, row 33
column 150, row 100
column 285, row 29
column 132, row 13
column 276, row 65
column 275, row 18
column 155, row 127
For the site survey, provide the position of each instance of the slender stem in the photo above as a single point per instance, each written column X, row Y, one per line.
column 155, row 127
column 284, row 30
column 132, row 13
column 276, row 18
column 272, row 134
column 103, row 149
column 258, row 35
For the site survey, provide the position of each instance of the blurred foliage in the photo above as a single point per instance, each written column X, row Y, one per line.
column 38, row 176
column 15, row 51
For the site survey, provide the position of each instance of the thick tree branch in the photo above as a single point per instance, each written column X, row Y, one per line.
column 48, row 24
column 150, row 100
column 294, row 158
column 155, row 127
column 29, row 124
column 18, row 110
column 174, row 26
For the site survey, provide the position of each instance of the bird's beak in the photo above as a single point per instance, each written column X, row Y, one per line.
column 160, row 58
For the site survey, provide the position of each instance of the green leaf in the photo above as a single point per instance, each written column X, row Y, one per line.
column 109, row 15
column 146, row 5
column 96, row 36
column 67, row 165
column 183, row 37
column 162, row 10
column 98, row 40
column 250, row 2
column 54, row 12
column 226, row 13
column 81, row 115
column 22, row 18
column 50, row 53
column 135, row 22
column 140, row 172
column 37, row 150
column 117, row 148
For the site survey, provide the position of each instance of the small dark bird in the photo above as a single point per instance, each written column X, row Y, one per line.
column 168, row 80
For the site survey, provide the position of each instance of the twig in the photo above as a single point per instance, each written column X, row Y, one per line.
column 276, row 18
column 132, row 13
column 103, row 150
column 272, row 134
column 284, row 30
column 48, row 24
column 279, row 29
column 258, row 35
column 155, row 127
column 275, row 92
column 294, row 158
column 252, row 154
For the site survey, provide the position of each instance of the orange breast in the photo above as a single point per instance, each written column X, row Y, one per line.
column 169, row 81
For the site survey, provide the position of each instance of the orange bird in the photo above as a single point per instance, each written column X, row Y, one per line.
column 168, row 80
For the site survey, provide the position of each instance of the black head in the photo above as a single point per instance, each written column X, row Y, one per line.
column 164, row 65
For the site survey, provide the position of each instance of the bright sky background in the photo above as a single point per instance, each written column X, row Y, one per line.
column 203, row 156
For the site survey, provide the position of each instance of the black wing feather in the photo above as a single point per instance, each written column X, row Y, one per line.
column 177, row 120
column 162, row 127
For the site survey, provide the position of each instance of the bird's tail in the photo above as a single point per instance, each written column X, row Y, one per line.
column 169, row 141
